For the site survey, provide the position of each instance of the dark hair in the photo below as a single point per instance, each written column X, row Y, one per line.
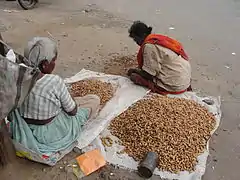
column 139, row 29
column 2, row 49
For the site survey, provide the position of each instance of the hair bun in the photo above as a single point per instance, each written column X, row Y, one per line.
column 149, row 30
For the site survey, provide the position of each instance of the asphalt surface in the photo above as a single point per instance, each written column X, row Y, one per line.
column 209, row 30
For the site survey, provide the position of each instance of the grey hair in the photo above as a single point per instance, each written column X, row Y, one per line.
column 40, row 49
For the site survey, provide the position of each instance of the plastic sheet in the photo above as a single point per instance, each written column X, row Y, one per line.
column 125, row 96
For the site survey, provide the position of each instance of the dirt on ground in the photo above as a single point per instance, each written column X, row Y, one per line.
column 96, row 38
column 87, row 38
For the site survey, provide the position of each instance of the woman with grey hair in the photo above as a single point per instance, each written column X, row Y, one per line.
column 41, row 53
column 50, row 120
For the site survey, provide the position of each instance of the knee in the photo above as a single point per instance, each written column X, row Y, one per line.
column 136, row 78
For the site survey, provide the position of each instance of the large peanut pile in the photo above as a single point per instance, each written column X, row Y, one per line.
column 176, row 129
column 102, row 89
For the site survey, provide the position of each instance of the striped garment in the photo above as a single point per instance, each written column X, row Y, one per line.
column 47, row 99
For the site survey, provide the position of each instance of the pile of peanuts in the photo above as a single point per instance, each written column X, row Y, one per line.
column 102, row 89
column 176, row 129
column 119, row 65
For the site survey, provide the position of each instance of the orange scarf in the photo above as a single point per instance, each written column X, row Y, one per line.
column 163, row 41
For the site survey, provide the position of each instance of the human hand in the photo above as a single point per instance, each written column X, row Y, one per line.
column 132, row 70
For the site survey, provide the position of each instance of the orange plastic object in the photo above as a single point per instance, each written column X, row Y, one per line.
column 91, row 161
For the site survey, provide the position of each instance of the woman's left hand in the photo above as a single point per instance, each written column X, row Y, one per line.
column 132, row 70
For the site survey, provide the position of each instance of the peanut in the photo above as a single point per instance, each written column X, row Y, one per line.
column 176, row 129
column 102, row 89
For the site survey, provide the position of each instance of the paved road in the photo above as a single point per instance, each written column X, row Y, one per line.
column 210, row 32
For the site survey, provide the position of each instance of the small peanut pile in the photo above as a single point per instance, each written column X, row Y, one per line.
column 176, row 129
column 102, row 89
column 119, row 65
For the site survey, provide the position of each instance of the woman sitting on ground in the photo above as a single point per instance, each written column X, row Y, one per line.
column 163, row 65
column 50, row 120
